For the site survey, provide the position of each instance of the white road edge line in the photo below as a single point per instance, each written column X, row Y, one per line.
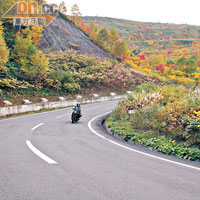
column 35, row 127
column 133, row 150
column 40, row 154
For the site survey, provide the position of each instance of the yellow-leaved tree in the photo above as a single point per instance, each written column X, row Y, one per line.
column 4, row 52
column 113, row 36
column 32, row 62
column 93, row 31
column 36, row 33
column 121, row 50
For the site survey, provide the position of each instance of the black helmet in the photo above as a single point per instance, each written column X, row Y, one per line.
column 78, row 104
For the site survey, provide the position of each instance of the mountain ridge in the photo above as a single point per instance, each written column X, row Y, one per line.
column 140, row 31
column 123, row 19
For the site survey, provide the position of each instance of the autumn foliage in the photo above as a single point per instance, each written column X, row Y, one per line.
column 32, row 61
column 178, row 64
column 107, row 39
column 4, row 52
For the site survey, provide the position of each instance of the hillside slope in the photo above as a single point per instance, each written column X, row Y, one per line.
column 149, row 30
column 138, row 32
column 62, row 35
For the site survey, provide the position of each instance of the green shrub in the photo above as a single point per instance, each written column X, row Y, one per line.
column 162, row 144
column 146, row 87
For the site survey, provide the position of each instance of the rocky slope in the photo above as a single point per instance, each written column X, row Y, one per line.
column 63, row 35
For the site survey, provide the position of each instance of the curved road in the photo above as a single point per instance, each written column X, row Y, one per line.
column 45, row 157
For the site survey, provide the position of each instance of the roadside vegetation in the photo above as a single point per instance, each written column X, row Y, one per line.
column 164, row 118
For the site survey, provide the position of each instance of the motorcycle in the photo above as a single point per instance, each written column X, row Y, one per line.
column 75, row 116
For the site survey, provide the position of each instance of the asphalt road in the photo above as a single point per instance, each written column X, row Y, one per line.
column 83, row 162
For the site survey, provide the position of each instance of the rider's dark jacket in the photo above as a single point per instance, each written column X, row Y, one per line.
column 78, row 109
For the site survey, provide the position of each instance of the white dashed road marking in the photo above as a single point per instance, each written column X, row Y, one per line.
column 35, row 127
column 40, row 154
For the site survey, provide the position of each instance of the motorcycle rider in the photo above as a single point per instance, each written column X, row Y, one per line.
column 78, row 109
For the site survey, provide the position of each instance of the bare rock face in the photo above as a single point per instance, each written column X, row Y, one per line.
column 61, row 35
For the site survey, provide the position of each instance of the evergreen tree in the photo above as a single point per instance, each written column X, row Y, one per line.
column 102, row 37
